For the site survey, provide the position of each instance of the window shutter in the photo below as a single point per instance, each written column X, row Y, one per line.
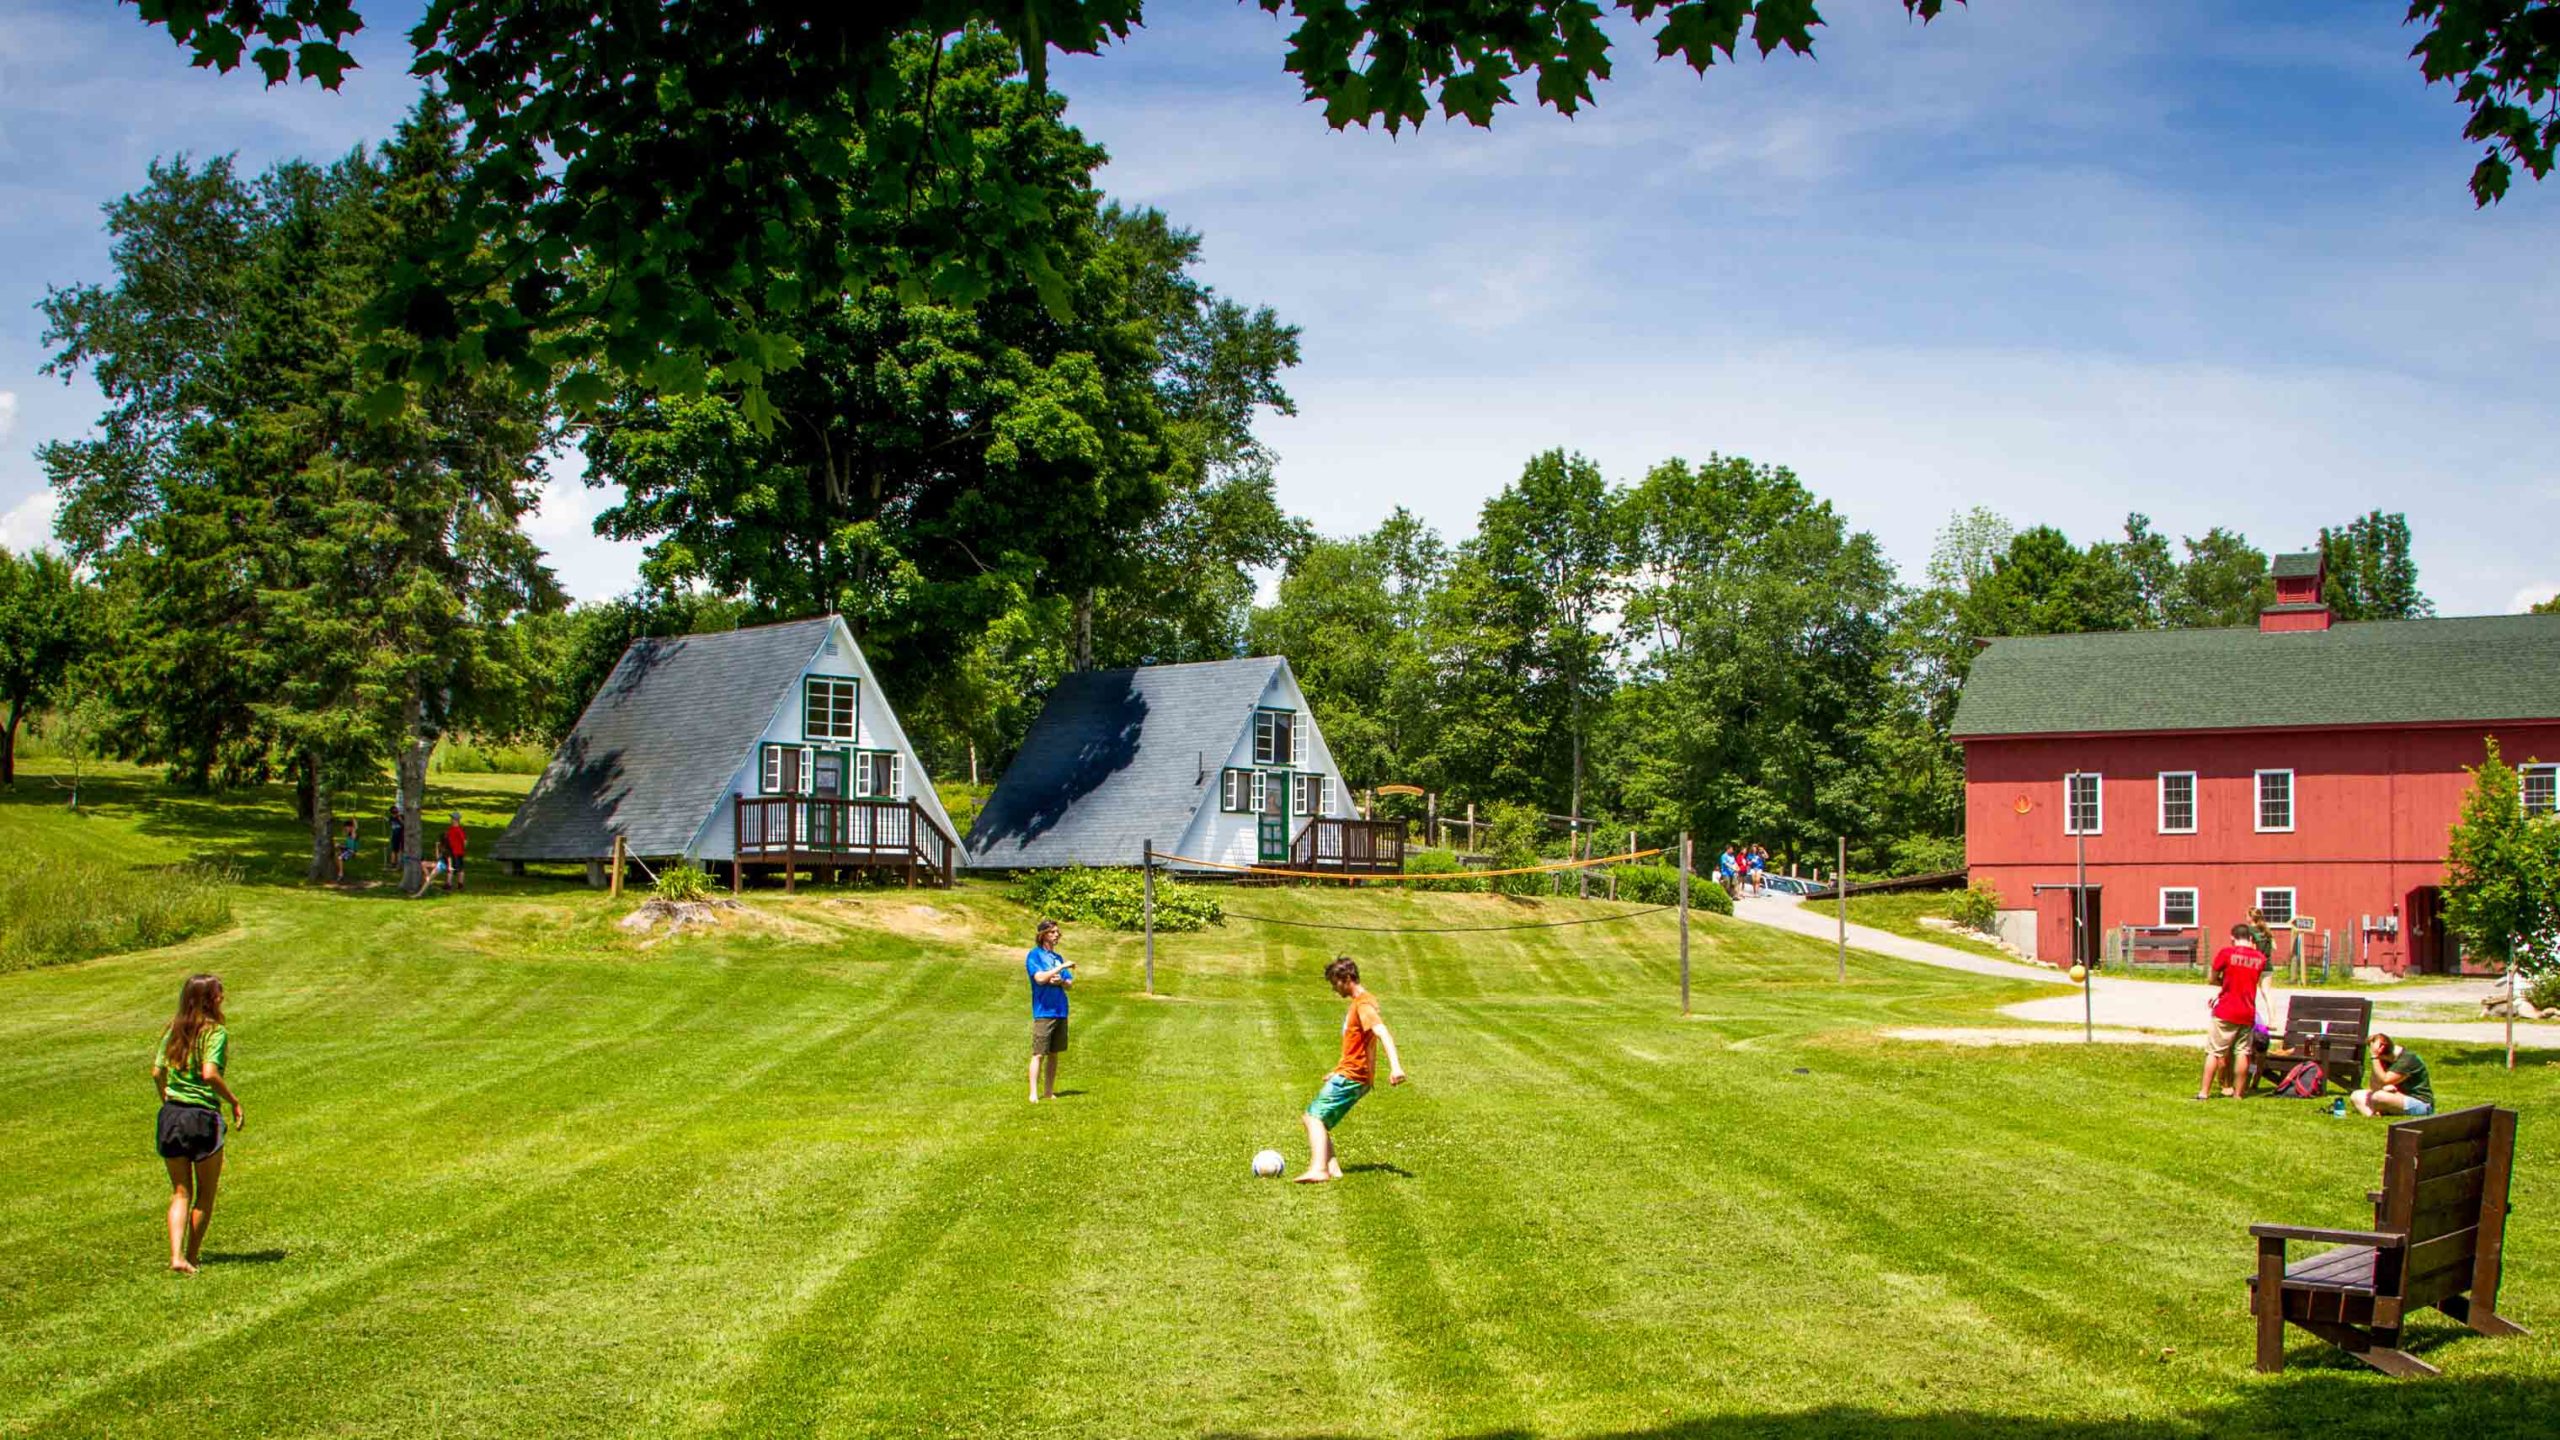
column 1227, row 799
column 772, row 769
column 897, row 775
column 808, row 761
column 1261, row 792
column 1297, row 739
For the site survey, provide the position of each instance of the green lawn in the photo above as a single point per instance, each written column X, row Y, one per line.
column 510, row 1172
column 1899, row 912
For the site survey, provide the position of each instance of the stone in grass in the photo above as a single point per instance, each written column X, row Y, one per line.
column 674, row 917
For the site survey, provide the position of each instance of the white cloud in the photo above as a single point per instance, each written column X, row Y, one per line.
column 2532, row 595
column 28, row 525
column 8, row 415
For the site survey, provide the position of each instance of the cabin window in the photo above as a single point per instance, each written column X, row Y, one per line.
column 2275, row 905
column 1310, row 796
column 1261, row 791
column 828, row 707
column 787, row 769
column 1235, row 791
column 2082, row 811
column 2275, row 800
column 896, row 788
column 2178, row 908
column 1275, row 737
column 1298, row 740
column 2178, row 803
column 2541, row 789
column 879, row 773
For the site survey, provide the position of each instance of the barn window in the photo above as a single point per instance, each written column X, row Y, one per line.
column 2275, row 800
column 2178, row 908
column 2275, row 905
column 2082, row 811
column 2177, row 802
column 2541, row 789
column 828, row 706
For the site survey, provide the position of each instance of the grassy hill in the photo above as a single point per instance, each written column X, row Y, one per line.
column 511, row 1171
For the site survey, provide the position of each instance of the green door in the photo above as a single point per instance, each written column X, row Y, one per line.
column 1275, row 817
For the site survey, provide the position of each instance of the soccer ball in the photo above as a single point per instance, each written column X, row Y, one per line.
column 1269, row 1164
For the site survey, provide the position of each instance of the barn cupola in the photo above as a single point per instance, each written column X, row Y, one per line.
column 2298, row 604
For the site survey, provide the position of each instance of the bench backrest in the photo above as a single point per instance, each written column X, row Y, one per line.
column 2444, row 1185
column 2328, row 1015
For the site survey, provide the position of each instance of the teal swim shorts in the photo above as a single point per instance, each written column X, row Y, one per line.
column 1335, row 1100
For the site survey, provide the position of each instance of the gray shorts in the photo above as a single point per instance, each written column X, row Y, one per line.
column 1049, row 1035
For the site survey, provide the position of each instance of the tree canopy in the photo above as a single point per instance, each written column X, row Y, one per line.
column 672, row 192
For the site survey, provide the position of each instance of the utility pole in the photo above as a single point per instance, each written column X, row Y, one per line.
column 1840, row 889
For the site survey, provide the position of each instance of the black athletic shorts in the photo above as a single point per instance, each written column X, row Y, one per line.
column 189, row 1132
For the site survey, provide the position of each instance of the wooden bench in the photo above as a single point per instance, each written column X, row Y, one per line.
column 2161, row 952
column 2330, row 1029
column 2438, row 1237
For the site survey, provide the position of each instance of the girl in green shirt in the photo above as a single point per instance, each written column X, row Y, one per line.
column 188, row 1070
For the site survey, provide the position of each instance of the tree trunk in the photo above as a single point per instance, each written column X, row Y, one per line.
column 412, row 799
column 323, row 844
column 1084, row 629
column 302, row 787
column 9, row 745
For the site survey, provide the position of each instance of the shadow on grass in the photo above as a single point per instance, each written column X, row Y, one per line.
column 242, row 1257
column 1378, row 1167
column 2315, row 1403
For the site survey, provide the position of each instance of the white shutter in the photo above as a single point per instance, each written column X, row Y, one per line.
column 1262, row 739
column 897, row 775
column 1230, row 781
column 861, row 772
column 1261, row 792
column 808, row 770
column 772, row 768
column 1297, row 739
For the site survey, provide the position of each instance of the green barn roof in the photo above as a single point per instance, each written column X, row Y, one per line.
column 2383, row 672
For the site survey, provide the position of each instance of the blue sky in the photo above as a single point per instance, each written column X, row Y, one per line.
column 2212, row 262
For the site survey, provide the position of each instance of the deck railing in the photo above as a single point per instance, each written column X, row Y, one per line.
column 842, row 831
column 1357, row 847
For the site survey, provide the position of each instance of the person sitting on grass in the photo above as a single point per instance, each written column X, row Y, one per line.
column 2240, row 969
column 188, row 1070
column 2400, row 1083
column 1362, row 1031
column 346, row 849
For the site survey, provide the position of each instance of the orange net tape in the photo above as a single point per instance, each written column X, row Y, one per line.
column 1546, row 869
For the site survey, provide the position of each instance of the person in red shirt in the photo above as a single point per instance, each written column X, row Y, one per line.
column 453, row 838
column 2240, row 969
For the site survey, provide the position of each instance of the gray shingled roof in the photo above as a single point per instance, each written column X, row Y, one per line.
column 1115, row 760
column 2383, row 672
column 2296, row 565
column 658, row 744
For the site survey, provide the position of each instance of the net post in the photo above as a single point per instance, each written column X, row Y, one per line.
column 1684, row 922
column 617, row 866
column 1149, row 886
column 1840, row 890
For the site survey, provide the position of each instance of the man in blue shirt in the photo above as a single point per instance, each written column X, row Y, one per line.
column 1050, row 977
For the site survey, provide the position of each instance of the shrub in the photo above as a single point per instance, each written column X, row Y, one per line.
column 1925, row 855
column 1441, row 862
column 1116, row 899
column 1976, row 907
column 2544, row 992
column 476, row 757
column 682, row 881
column 65, row 910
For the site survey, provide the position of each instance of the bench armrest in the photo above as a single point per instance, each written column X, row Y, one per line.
column 2373, row 1197
column 2378, row 1239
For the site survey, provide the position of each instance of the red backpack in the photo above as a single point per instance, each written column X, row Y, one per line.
column 2303, row 1082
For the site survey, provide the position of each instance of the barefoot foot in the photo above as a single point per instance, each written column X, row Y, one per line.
column 1312, row 1177
column 181, row 1267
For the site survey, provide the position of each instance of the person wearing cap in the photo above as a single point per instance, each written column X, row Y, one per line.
column 1051, row 976
column 453, row 838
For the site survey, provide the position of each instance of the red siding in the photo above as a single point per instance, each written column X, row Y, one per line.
column 2371, row 810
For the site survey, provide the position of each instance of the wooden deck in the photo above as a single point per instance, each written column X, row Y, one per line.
column 819, row 834
column 1353, row 847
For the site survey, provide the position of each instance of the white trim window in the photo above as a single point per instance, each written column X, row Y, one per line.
column 2275, row 801
column 2083, row 803
column 2177, row 803
column 1310, row 794
column 897, row 774
column 1233, row 785
column 2178, row 907
column 2275, row 905
column 797, row 783
column 829, row 708
column 1274, row 738
column 2541, row 789
column 1261, row 791
column 1298, row 728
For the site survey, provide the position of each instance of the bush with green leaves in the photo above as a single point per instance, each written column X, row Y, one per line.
column 1976, row 907
column 64, row 909
column 681, row 882
column 1116, row 899
column 1442, row 862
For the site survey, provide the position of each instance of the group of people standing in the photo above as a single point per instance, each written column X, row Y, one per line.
column 1743, row 869
column 2397, row 1079
column 1363, row 1035
column 450, row 845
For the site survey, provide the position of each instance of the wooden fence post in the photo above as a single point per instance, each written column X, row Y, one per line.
column 1840, row 888
column 1149, row 886
column 618, row 851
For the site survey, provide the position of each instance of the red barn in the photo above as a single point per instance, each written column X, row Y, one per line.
column 2302, row 767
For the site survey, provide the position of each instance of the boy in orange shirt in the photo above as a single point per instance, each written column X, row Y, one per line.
column 1361, row 1031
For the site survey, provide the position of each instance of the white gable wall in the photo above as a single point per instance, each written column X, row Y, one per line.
column 876, row 730
column 1233, row 838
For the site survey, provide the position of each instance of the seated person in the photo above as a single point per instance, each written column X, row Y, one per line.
column 2400, row 1084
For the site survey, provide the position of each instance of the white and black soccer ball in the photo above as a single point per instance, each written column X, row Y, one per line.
column 1269, row 1164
